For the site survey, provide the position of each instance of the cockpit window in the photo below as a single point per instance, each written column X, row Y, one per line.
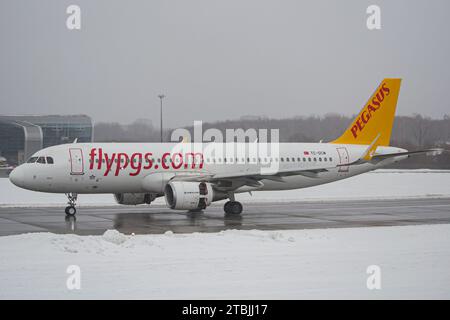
column 50, row 160
column 32, row 160
column 41, row 160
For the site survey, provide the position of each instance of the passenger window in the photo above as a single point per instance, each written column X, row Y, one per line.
column 320, row 159
column 32, row 160
column 287, row 159
column 282, row 159
column 41, row 160
column 50, row 160
column 304, row 159
column 315, row 159
column 293, row 159
column 325, row 159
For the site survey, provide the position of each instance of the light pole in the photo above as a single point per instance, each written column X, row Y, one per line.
column 161, row 97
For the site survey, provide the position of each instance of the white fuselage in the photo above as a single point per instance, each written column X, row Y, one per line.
column 146, row 167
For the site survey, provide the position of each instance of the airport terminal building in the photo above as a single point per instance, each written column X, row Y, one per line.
column 21, row 136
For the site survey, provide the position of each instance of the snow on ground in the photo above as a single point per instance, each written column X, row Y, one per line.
column 373, row 185
column 328, row 263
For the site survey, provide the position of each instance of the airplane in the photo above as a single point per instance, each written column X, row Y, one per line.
column 191, row 176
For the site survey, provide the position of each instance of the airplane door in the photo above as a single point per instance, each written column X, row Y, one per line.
column 76, row 161
column 343, row 159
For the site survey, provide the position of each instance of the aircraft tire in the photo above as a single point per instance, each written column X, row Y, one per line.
column 71, row 211
column 233, row 207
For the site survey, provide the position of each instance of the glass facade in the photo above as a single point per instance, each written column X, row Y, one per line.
column 21, row 136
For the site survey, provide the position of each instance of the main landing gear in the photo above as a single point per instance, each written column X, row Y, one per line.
column 70, row 209
column 232, row 206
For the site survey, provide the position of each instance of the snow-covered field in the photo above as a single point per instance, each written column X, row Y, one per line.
column 414, row 262
column 331, row 263
column 380, row 184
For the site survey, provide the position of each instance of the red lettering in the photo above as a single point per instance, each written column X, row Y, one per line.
column 100, row 158
column 365, row 117
column 148, row 159
column 374, row 102
column 163, row 160
column 109, row 163
column 177, row 163
column 136, row 161
column 371, row 109
column 359, row 124
column 380, row 96
column 385, row 89
column 136, row 157
column 91, row 158
column 194, row 158
column 354, row 129
column 121, row 156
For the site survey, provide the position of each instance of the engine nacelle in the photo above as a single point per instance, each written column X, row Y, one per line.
column 134, row 198
column 183, row 195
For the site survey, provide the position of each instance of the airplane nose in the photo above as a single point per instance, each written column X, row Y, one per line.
column 17, row 176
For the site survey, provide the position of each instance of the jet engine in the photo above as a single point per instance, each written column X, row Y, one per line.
column 134, row 198
column 184, row 195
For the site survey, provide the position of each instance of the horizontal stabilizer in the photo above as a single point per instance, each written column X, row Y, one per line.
column 427, row 152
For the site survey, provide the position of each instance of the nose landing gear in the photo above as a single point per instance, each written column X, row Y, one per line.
column 70, row 209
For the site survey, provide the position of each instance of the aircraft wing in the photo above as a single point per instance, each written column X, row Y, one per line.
column 234, row 180
column 311, row 173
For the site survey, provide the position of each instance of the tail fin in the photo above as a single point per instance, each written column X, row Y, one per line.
column 376, row 118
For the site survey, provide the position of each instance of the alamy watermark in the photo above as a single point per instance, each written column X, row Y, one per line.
column 73, row 21
column 374, row 279
column 73, row 281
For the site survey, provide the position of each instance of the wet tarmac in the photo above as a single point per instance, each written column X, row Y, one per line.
column 263, row 216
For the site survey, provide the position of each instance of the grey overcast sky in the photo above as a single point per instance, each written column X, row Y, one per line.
column 220, row 59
